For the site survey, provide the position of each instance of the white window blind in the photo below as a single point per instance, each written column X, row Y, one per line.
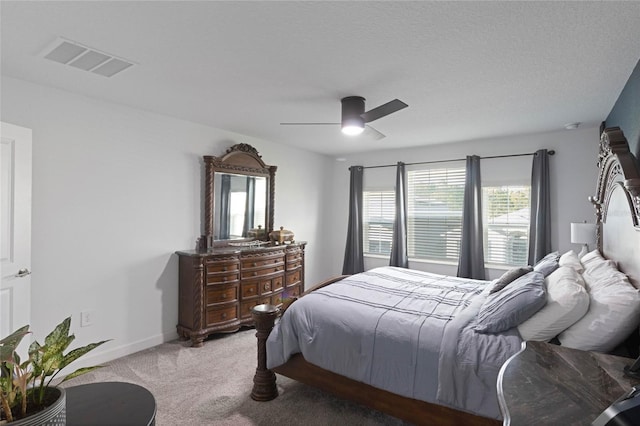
column 379, row 213
column 434, row 218
column 506, row 215
column 434, row 213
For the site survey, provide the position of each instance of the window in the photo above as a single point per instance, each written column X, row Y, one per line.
column 434, row 218
column 379, row 213
column 506, row 211
column 434, row 213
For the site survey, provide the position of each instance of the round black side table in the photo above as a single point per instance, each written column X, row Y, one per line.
column 110, row 404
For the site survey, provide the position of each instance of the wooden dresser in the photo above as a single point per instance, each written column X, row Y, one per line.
column 219, row 286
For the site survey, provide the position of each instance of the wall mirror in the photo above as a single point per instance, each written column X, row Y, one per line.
column 239, row 196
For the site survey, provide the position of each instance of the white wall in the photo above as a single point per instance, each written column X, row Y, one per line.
column 116, row 191
column 573, row 173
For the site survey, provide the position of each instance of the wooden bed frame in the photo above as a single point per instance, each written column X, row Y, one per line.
column 617, row 203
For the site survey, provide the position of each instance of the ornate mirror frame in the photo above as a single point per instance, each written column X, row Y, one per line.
column 240, row 159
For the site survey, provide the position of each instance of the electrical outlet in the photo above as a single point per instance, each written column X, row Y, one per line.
column 86, row 318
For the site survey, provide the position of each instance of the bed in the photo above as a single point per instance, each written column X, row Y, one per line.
column 427, row 348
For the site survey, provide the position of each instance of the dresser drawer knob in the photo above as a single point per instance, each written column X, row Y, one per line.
column 267, row 287
column 224, row 295
column 251, row 290
column 224, row 279
column 224, row 315
column 255, row 273
column 255, row 264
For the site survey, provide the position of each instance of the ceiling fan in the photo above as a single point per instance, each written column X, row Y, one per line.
column 354, row 116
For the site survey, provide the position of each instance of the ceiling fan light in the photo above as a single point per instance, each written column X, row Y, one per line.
column 352, row 110
column 352, row 129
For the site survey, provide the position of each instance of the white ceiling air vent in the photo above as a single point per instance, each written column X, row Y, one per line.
column 85, row 58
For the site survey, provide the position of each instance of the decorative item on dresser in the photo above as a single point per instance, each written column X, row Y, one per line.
column 234, row 266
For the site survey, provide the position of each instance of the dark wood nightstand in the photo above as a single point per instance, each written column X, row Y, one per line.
column 547, row 384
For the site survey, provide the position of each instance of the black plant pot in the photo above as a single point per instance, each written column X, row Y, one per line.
column 54, row 415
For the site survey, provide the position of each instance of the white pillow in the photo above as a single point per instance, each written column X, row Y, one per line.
column 600, row 272
column 567, row 302
column 571, row 260
column 614, row 311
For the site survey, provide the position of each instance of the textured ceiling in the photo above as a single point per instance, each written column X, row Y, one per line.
column 468, row 70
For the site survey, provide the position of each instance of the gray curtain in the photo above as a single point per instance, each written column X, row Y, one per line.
column 399, row 243
column 540, row 223
column 249, row 206
column 225, row 207
column 353, row 258
column 471, row 262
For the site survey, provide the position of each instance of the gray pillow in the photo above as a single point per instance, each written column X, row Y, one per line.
column 510, row 276
column 513, row 305
column 547, row 264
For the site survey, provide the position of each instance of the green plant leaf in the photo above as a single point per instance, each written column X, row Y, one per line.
column 80, row 371
column 34, row 348
column 9, row 344
column 77, row 353
column 51, row 362
column 52, row 354
column 60, row 333
column 25, row 380
column 35, row 356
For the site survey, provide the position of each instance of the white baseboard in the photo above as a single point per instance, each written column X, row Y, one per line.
column 107, row 355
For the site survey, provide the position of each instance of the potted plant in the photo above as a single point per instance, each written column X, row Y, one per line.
column 26, row 394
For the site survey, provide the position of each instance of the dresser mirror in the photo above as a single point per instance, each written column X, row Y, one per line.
column 240, row 204
column 239, row 196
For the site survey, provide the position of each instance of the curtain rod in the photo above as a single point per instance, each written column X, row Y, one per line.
column 551, row 152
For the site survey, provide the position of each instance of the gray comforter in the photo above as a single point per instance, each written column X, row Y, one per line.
column 404, row 331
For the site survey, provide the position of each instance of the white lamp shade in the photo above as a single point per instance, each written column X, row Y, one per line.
column 583, row 233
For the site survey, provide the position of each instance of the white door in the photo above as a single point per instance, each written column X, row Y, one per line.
column 15, row 227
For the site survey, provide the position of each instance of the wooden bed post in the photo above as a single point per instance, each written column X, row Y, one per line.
column 264, row 381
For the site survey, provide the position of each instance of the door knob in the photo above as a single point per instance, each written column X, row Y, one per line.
column 23, row 273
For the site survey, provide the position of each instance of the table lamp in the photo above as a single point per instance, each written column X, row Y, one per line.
column 585, row 234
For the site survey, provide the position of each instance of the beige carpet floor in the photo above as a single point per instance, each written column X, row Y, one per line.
column 211, row 386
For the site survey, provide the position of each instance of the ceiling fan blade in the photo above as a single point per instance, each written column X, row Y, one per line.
column 308, row 124
column 382, row 110
column 371, row 133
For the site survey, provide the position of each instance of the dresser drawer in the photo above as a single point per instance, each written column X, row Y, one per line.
column 249, row 289
column 222, row 278
column 261, row 272
column 293, row 291
column 245, row 307
column 294, row 264
column 274, row 284
column 276, row 299
column 218, row 267
column 294, row 255
column 293, row 278
column 257, row 261
column 221, row 294
column 222, row 314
